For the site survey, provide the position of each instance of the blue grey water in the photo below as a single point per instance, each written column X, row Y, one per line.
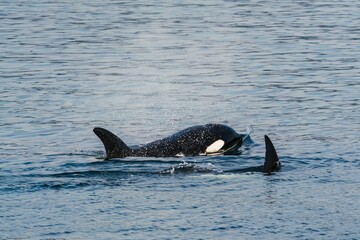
column 146, row 69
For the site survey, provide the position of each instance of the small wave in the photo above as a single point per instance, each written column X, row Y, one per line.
column 98, row 154
column 96, row 173
column 185, row 167
column 246, row 138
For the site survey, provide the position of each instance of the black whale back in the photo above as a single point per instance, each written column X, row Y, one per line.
column 190, row 141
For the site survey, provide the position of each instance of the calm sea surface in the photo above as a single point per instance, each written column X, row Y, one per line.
column 146, row 69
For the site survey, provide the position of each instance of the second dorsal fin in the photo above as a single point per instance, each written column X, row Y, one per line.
column 272, row 162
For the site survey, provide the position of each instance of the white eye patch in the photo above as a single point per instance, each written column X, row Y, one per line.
column 215, row 147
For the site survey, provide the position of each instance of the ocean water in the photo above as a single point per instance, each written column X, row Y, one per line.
column 147, row 69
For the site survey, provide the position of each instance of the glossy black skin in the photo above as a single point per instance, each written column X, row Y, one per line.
column 191, row 141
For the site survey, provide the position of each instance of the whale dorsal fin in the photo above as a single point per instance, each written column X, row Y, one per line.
column 114, row 146
column 272, row 162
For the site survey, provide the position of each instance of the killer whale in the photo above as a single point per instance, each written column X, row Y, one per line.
column 209, row 139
